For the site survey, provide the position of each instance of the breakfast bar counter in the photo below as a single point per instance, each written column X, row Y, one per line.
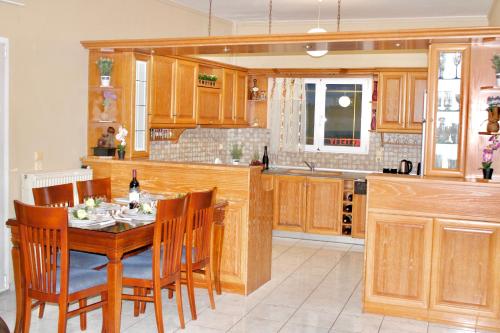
column 433, row 249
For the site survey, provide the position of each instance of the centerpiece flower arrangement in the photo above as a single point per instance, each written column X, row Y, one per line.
column 146, row 208
column 121, row 136
column 487, row 158
column 88, row 205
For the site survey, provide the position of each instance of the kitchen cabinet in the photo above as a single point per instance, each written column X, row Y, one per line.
column 186, row 78
column 228, row 96
column 289, row 203
column 465, row 265
column 401, row 101
column 308, row 204
column 163, row 84
column 358, row 216
column 446, row 126
column 324, row 205
column 240, row 109
column 398, row 261
column 208, row 106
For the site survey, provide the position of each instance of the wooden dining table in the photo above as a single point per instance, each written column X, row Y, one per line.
column 113, row 241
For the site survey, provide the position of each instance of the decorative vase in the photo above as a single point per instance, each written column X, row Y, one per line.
column 121, row 154
column 105, row 80
column 487, row 173
column 235, row 161
column 498, row 79
column 493, row 116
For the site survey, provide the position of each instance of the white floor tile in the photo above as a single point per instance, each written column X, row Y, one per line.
column 300, row 328
column 256, row 325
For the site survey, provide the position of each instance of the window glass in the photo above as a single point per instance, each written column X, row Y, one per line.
column 140, row 105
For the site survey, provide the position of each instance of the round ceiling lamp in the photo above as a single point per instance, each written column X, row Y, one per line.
column 344, row 101
column 323, row 50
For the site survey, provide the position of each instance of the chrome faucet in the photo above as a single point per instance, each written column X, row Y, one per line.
column 310, row 165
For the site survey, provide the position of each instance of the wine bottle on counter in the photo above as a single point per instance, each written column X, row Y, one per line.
column 346, row 219
column 348, row 208
column 133, row 193
column 265, row 159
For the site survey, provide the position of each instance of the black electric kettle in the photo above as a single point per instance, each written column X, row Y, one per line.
column 405, row 167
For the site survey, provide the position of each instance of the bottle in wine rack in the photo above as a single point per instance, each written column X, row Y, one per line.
column 347, row 219
column 346, row 230
column 133, row 193
column 348, row 208
column 348, row 197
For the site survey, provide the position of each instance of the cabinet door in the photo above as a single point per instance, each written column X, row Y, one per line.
column 465, row 268
column 358, row 216
column 446, row 125
column 185, row 90
column 208, row 106
column 391, row 101
column 398, row 260
column 324, row 205
column 289, row 203
column 240, row 112
column 417, row 86
column 228, row 96
column 163, row 83
column 141, row 85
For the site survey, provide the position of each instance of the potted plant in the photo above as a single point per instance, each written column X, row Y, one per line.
column 105, row 66
column 496, row 65
column 236, row 153
column 487, row 158
column 121, row 136
column 207, row 79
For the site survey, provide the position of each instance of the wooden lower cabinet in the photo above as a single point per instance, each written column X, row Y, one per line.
column 465, row 267
column 324, row 205
column 398, row 260
column 308, row 204
column 358, row 216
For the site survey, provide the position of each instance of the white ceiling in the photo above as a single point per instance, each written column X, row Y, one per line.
column 252, row 10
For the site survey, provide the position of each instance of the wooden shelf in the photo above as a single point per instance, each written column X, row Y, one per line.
column 493, row 89
column 489, row 133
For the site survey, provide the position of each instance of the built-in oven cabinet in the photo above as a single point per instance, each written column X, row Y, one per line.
column 446, row 126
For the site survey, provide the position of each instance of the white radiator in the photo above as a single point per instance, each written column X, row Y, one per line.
column 36, row 179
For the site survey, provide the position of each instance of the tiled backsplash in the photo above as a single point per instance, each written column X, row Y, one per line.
column 206, row 144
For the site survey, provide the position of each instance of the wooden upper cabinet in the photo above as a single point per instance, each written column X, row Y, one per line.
column 289, row 203
column 465, row 268
column 391, row 100
column 401, row 101
column 398, row 262
column 415, row 105
column 240, row 112
column 186, row 78
column 208, row 106
column 324, row 205
column 163, row 84
column 228, row 96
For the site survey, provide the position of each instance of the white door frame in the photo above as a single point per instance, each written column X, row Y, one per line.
column 4, row 172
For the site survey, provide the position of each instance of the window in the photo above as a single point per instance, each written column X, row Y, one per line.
column 140, row 105
column 338, row 113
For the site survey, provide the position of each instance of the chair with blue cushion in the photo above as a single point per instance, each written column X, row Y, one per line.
column 44, row 239
column 160, row 267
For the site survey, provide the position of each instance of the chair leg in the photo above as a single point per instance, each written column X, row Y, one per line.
column 208, row 279
column 178, row 297
column 136, row 303
column 27, row 313
column 83, row 316
column 158, row 309
column 145, row 292
column 41, row 309
column 104, row 298
column 190, row 288
column 63, row 317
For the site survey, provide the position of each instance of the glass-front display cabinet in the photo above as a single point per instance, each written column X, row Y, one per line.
column 446, row 126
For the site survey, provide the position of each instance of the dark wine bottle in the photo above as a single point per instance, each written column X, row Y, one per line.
column 348, row 208
column 348, row 197
column 133, row 193
column 265, row 159
column 346, row 219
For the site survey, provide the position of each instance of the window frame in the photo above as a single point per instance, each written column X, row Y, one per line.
column 319, row 115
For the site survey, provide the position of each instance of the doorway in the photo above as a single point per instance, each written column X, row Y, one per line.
column 4, row 163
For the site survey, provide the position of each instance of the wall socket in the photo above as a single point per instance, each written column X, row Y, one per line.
column 38, row 159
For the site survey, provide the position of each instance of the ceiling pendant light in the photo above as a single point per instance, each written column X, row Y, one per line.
column 321, row 52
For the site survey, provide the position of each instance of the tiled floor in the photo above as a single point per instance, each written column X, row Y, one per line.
column 315, row 287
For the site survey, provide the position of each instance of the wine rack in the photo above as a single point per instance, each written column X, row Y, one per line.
column 347, row 207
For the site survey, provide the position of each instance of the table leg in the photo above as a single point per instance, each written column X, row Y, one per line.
column 114, row 294
column 19, row 285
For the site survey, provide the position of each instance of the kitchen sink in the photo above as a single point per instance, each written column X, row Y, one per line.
column 314, row 173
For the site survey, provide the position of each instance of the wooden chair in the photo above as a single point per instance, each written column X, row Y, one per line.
column 197, row 249
column 95, row 188
column 161, row 266
column 62, row 196
column 44, row 238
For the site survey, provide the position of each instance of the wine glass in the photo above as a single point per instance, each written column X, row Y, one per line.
column 457, row 59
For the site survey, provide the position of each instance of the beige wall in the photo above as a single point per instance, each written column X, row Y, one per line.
column 494, row 14
column 49, row 67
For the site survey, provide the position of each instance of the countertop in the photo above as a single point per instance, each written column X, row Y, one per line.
column 428, row 179
column 317, row 173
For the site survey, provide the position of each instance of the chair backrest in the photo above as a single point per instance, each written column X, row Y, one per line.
column 95, row 188
column 44, row 236
column 170, row 227
column 199, row 226
column 54, row 196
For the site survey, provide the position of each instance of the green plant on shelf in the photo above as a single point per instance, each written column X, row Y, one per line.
column 207, row 77
column 496, row 63
column 105, row 66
